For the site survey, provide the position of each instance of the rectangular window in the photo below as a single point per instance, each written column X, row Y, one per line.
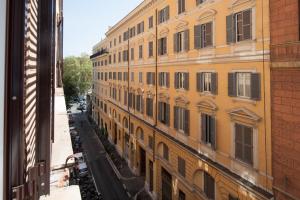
column 132, row 53
column 165, row 152
column 114, row 76
column 115, row 58
column 132, row 76
column 132, row 32
column 244, row 85
column 164, row 79
column 181, row 41
column 164, row 113
column 162, row 46
column 209, row 186
column 131, row 100
column 181, row 166
column 149, row 107
column 181, row 195
column 203, row 35
column 150, row 46
column 208, row 130
column 181, row 119
column 125, row 35
column 125, row 55
column 120, row 38
column 150, row 20
column 181, row 6
column 125, row 76
column 141, row 52
column 244, row 143
column 164, row 14
column 119, row 57
column 115, row 42
column 150, row 78
column 150, row 142
column 182, row 80
column 120, row 76
column 131, row 128
column 139, row 103
column 140, row 77
column 125, row 98
column 140, row 28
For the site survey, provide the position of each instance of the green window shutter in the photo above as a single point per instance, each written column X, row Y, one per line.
column 187, row 122
column 168, row 114
column 175, row 42
column 247, row 25
column 209, row 34
column 214, row 83
column 230, row 32
column 213, row 133
column 203, row 127
column 175, row 117
column 255, row 86
column 197, row 37
column 232, row 90
column 187, row 40
column 176, row 80
column 168, row 79
column 199, row 82
column 186, row 81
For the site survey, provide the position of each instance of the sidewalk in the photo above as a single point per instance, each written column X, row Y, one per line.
column 132, row 183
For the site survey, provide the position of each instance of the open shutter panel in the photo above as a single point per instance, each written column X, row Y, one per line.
column 255, row 86
column 186, row 81
column 133, row 100
column 159, row 79
column 187, row 122
column 232, row 84
column 148, row 78
column 214, row 82
column 197, row 37
column 176, row 80
column 209, row 34
column 203, row 127
column 247, row 24
column 167, row 12
column 213, row 132
column 159, row 111
column 142, row 104
column 168, row 114
column 159, row 46
column 187, row 40
column 168, row 79
column 175, row 117
column 175, row 43
column 165, row 46
column 229, row 28
column 199, row 82
column 153, row 78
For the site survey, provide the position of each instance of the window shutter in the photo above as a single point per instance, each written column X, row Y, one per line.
column 187, row 122
column 133, row 100
column 186, row 81
column 186, row 40
column 179, row 6
column 247, row 24
column 159, row 47
column 165, row 46
column 168, row 80
column 176, row 80
column 209, row 34
column 175, row 117
column 214, row 83
column 168, row 114
column 142, row 105
column 213, row 132
column 230, row 32
column 197, row 37
column 175, row 42
column 159, row 111
column 148, row 78
column 255, row 86
column 199, row 82
column 153, row 78
column 167, row 12
column 159, row 79
column 232, row 85
column 203, row 127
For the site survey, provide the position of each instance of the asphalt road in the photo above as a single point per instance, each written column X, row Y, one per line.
column 105, row 179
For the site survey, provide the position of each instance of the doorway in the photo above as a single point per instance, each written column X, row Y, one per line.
column 142, row 162
column 166, row 184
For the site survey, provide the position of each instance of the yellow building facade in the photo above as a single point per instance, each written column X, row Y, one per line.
column 182, row 89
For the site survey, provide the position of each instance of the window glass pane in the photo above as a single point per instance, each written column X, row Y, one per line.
column 248, row 154
column 248, row 136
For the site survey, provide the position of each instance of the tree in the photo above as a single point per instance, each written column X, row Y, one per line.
column 77, row 76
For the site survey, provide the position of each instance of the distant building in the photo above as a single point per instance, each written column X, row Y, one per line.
column 183, row 89
column 285, row 85
column 30, row 68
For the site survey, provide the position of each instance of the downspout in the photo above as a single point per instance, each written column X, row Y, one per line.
column 156, row 85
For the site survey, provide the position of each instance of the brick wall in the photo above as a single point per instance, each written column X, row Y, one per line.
column 285, row 32
column 285, row 86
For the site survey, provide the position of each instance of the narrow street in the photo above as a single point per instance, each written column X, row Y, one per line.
column 105, row 179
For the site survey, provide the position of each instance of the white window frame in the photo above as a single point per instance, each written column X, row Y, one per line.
column 180, row 41
column 181, row 119
column 164, row 79
column 140, row 77
column 207, row 85
column 241, row 78
column 181, row 80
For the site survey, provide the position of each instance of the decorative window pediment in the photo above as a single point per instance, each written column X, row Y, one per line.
column 244, row 115
column 119, row 86
column 131, row 89
column 182, row 25
column 151, row 37
column 207, row 15
column 140, row 90
column 125, row 87
column 236, row 3
column 207, row 106
column 150, row 94
column 141, row 41
column 181, row 101
column 164, row 32
column 164, row 97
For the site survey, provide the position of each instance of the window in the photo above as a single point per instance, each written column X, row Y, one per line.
column 120, row 38
column 141, row 52
column 162, row 46
column 132, row 76
column 120, row 94
column 114, row 76
column 125, row 76
column 244, row 85
column 150, row 78
column 209, row 186
column 125, row 35
column 165, row 152
column 150, row 49
column 208, row 130
column 164, row 113
column 181, row 195
column 150, row 142
column 164, row 79
column 164, row 14
column 181, row 166
column 110, row 75
column 181, row 6
column 149, row 107
column 132, row 53
column 132, row 32
column 150, row 20
column 181, row 120
column 181, row 41
column 131, row 100
column 105, row 76
column 140, row 28
column 239, row 26
column 207, row 82
column 125, row 55
column 182, row 80
column 203, row 35
column 119, row 57
column 139, row 103
column 244, row 143
column 140, row 77
column 125, row 98
column 120, row 76
column 115, row 58
column 115, row 42
column 131, row 128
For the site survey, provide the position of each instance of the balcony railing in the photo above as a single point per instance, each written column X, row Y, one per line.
column 99, row 53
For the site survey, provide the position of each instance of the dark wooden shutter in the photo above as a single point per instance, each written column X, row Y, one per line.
column 168, row 79
column 197, row 37
column 148, row 78
column 209, row 186
column 165, row 45
column 159, row 42
column 230, row 29
column 176, row 80
column 231, row 197
column 213, row 133
column 209, row 34
column 186, row 40
column 187, row 122
column 214, row 83
column 203, row 127
column 142, row 105
column 153, row 78
column 238, row 141
column 159, row 111
column 133, row 100
column 199, row 82
column 186, row 81
column 232, row 90
column 175, row 42
column 160, row 79
column 255, row 86
column 175, row 117
column 167, row 114
column 247, row 25
column 167, row 13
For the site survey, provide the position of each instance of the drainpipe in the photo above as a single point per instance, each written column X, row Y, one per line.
column 156, row 85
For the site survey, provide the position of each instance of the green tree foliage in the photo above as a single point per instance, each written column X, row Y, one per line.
column 77, row 76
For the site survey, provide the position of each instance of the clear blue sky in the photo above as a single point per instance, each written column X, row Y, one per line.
column 86, row 21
